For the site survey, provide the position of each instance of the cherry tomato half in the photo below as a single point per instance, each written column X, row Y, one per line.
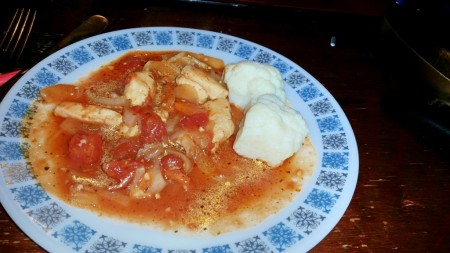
column 86, row 147
column 153, row 128
column 120, row 169
column 171, row 161
column 194, row 121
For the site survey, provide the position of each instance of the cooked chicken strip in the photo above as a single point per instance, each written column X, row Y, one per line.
column 220, row 119
column 88, row 113
column 199, row 79
column 139, row 87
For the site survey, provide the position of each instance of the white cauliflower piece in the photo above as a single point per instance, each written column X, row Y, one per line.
column 270, row 131
column 247, row 80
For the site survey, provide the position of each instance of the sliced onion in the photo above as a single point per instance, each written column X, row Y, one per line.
column 129, row 117
column 108, row 101
column 177, row 135
column 172, row 122
column 123, row 182
column 114, row 196
column 187, row 164
column 150, row 151
column 89, row 181
column 70, row 126
column 157, row 181
column 138, row 174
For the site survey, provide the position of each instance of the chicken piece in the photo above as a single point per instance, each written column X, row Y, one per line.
column 129, row 132
column 220, row 120
column 213, row 62
column 186, row 142
column 163, row 68
column 96, row 114
column 139, row 87
column 190, row 91
column 201, row 82
column 197, row 59
column 88, row 113
column 162, row 113
column 183, row 59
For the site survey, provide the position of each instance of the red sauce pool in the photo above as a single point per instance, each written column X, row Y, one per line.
column 225, row 185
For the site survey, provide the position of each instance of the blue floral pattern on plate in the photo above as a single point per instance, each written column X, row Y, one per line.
column 75, row 235
column 253, row 245
column 29, row 195
column 142, row 38
column 101, row 47
column 205, row 40
column 80, row 55
column 163, row 37
column 332, row 183
column 282, row 236
column 106, row 244
column 185, row 38
column 226, row 44
column 15, row 173
column 49, row 216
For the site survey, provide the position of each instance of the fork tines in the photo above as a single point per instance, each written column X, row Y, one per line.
column 16, row 36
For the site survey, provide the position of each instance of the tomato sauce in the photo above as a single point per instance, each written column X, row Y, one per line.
column 227, row 191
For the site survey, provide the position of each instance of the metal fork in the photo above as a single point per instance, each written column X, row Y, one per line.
column 15, row 38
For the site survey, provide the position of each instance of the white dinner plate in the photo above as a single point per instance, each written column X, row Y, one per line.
column 58, row 227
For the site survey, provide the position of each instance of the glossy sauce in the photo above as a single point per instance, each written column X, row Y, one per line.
column 229, row 191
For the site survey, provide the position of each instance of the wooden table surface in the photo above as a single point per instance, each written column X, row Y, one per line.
column 401, row 202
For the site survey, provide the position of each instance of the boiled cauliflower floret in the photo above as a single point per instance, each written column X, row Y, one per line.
column 247, row 80
column 271, row 131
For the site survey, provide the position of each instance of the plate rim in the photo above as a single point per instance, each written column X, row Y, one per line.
column 344, row 202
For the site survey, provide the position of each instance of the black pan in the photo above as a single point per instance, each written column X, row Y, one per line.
column 416, row 46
